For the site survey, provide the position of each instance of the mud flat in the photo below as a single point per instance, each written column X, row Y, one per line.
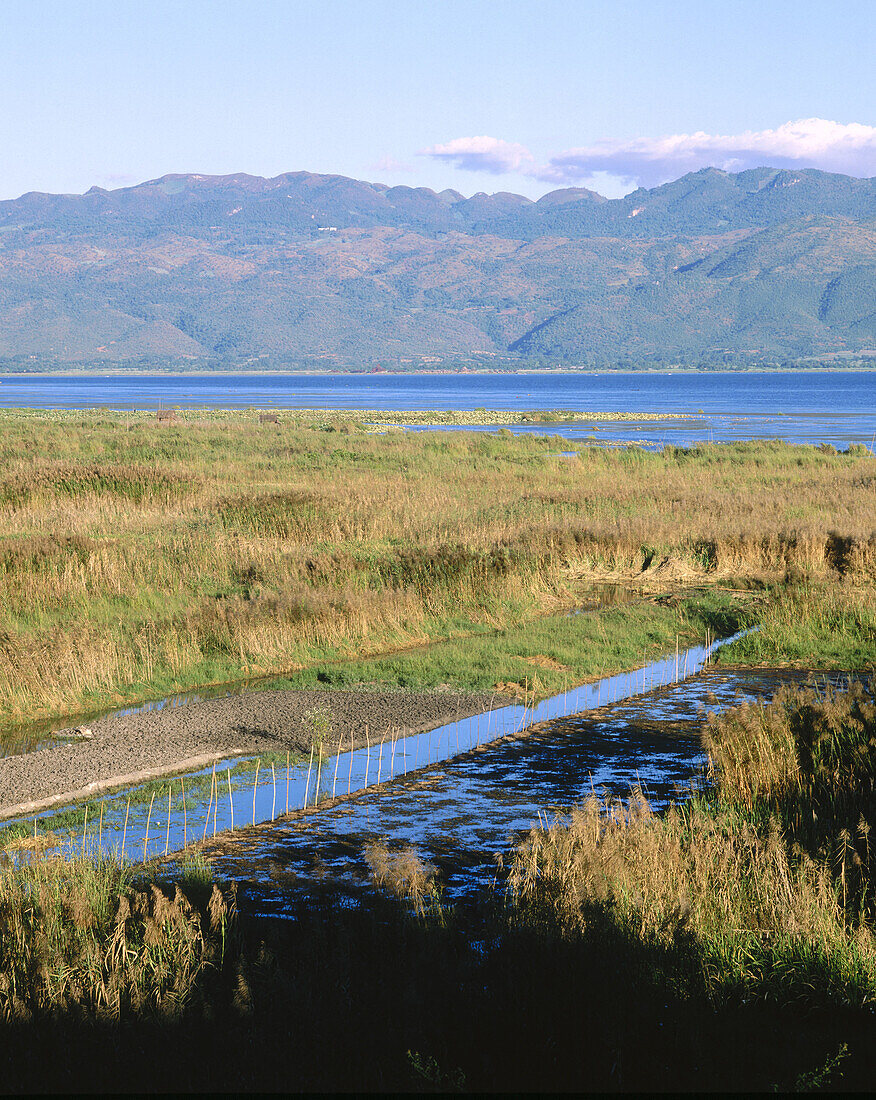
column 129, row 748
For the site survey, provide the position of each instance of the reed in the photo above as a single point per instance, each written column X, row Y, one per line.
column 83, row 938
column 769, row 866
column 167, row 833
column 125, row 830
column 301, row 550
column 403, row 874
column 148, row 820
column 307, row 783
column 210, row 803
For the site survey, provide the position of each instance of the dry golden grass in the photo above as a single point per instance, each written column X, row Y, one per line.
column 79, row 937
column 137, row 557
column 768, row 877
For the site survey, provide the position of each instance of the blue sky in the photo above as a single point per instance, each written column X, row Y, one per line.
column 480, row 95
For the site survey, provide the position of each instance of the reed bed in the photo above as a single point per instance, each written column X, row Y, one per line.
column 139, row 556
column 762, row 885
column 703, row 948
column 84, row 938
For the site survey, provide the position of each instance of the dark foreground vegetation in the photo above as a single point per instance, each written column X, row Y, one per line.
column 726, row 944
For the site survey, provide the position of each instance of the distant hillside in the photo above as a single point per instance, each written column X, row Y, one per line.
column 305, row 269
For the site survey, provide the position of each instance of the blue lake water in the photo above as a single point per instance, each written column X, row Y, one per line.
column 836, row 407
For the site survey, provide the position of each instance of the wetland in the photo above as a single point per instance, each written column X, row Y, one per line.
column 560, row 817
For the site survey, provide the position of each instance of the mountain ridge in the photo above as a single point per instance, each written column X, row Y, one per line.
column 312, row 269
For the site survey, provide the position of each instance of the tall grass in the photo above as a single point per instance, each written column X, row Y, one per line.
column 138, row 557
column 762, row 886
column 818, row 623
column 703, row 948
column 83, row 938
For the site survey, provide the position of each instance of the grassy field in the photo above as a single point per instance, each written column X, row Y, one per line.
column 139, row 558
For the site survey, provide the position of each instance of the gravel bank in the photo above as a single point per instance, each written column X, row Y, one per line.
column 260, row 721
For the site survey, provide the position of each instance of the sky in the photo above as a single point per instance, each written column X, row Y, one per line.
column 477, row 95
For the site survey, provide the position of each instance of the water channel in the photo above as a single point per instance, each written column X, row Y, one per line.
column 231, row 796
column 460, row 795
column 462, row 814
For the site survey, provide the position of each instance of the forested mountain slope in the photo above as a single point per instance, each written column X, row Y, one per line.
column 312, row 269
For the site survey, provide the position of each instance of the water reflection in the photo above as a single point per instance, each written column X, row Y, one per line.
column 229, row 784
column 461, row 814
column 33, row 736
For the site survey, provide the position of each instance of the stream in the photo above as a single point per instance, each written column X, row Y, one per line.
column 463, row 813
column 239, row 792
column 461, row 795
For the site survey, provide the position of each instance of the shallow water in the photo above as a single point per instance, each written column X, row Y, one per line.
column 241, row 799
column 800, row 406
column 239, row 793
column 461, row 815
column 33, row 736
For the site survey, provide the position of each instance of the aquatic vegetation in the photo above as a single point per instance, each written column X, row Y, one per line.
column 816, row 624
column 703, row 947
column 762, row 885
column 86, row 938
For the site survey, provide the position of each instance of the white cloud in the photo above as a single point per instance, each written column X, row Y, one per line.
column 483, row 154
column 115, row 179
column 390, row 164
column 806, row 143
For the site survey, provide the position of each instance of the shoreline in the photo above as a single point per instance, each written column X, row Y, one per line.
column 157, row 372
column 161, row 742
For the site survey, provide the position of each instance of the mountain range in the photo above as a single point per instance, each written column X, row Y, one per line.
column 188, row 271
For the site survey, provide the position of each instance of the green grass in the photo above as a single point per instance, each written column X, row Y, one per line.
column 140, row 559
column 587, row 646
column 814, row 625
column 726, row 944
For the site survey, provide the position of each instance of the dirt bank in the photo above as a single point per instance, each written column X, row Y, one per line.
column 262, row 721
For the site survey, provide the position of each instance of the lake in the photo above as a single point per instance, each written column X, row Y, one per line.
column 836, row 407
